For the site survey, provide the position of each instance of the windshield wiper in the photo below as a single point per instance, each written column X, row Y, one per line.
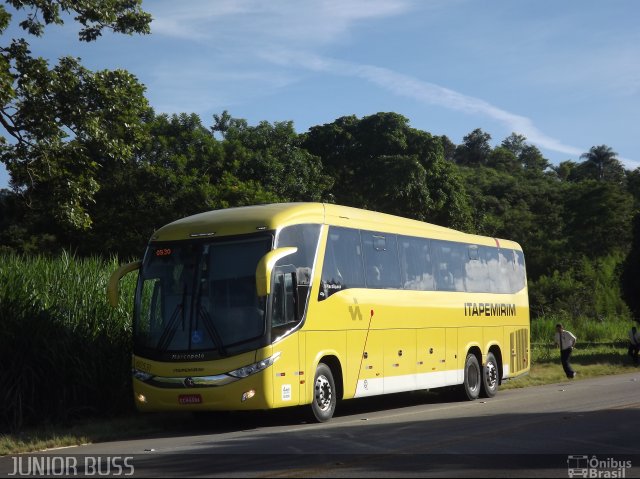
column 170, row 329
column 211, row 329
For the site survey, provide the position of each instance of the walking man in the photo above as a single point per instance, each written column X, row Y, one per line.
column 566, row 341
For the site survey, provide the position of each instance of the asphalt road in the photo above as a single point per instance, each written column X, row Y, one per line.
column 581, row 428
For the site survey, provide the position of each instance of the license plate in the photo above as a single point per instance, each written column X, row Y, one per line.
column 189, row 399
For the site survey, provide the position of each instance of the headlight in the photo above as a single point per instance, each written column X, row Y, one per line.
column 141, row 375
column 254, row 368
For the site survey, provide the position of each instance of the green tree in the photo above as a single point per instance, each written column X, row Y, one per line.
column 448, row 147
column 380, row 163
column 515, row 143
column 565, row 170
column 532, row 160
column 224, row 122
column 61, row 124
column 633, row 185
column 180, row 171
column 503, row 159
column 598, row 218
column 529, row 156
column 273, row 156
column 168, row 178
column 475, row 149
column 601, row 163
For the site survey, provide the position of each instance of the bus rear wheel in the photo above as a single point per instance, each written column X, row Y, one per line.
column 324, row 400
column 472, row 377
column 490, row 377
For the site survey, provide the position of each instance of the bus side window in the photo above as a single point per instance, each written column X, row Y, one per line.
column 284, row 309
column 416, row 264
column 505, row 267
column 520, row 275
column 382, row 268
column 444, row 277
column 450, row 265
column 477, row 270
column 493, row 268
column 514, row 261
column 331, row 280
column 305, row 238
column 342, row 263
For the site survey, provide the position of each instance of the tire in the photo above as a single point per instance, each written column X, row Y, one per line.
column 472, row 377
column 324, row 399
column 490, row 377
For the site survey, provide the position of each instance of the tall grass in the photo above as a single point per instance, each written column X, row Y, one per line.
column 64, row 353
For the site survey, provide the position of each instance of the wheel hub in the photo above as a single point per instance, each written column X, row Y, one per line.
column 323, row 393
column 492, row 375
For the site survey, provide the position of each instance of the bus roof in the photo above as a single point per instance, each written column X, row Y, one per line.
column 250, row 219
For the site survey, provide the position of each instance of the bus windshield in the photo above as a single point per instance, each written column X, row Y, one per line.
column 198, row 299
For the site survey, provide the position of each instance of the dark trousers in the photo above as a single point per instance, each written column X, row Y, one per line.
column 565, row 355
column 633, row 352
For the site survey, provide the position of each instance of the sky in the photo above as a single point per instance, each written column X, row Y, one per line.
column 566, row 75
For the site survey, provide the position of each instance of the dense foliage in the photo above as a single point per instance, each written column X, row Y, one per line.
column 574, row 221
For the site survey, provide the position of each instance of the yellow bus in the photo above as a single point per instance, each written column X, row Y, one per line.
column 281, row 305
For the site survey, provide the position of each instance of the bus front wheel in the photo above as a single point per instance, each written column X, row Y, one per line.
column 324, row 394
column 472, row 377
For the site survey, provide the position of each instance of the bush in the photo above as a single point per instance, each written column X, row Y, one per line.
column 589, row 290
